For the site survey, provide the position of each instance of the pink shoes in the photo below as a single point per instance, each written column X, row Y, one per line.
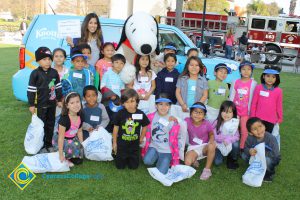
column 206, row 173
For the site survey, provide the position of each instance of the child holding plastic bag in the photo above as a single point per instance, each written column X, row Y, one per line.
column 69, row 138
column 95, row 114
column 227, row 135
column 161, row 137
column 257, row 135
column 201, row 139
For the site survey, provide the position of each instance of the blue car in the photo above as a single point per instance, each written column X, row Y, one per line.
column 43, row 32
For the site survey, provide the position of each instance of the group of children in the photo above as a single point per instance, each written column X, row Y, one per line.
column 236, row 120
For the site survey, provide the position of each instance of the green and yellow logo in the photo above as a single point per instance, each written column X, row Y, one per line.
column 22, row 176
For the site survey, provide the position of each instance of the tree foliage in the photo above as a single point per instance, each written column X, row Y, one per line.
column 211, row 6
column 258, row 7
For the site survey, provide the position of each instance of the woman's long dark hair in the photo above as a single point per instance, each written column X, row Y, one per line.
column 68, row 97
column 186, row 67
column 224, row 108
column 85, row 32
column 138, row 66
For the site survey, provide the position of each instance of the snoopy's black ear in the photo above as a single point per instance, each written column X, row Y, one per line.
column 157, row 50
column 123, row 35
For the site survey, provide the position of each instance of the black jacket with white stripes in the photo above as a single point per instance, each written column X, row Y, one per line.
column 47, row 86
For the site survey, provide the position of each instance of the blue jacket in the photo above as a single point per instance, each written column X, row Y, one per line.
column 166, row 83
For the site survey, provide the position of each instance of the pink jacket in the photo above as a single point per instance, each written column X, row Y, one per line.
column 173, row 138
column 267, row 104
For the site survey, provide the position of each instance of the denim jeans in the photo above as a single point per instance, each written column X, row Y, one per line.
column 163, row 159
column 228, row 51
column 271, row 162
column 234, row 153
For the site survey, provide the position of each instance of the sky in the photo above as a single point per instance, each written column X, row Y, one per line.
column 285, row 4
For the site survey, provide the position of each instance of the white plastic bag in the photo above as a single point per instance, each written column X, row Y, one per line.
column 175, row 174
column 98, row 146
column 211, row 114
column 276, row 134
column 147, row 106
column 224, row 149
column 34, row 136
column 176, row 111
column 46, row 162
column 256, row 171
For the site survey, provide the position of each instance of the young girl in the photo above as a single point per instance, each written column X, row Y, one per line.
column 227, row 135
column 161, row 137
column 241, row 92
column 69, row 138
column 144, row 83
column 105, row 63
column 201, row 139
column 59, row 57
column 167, row 78
column 191, row 85
column 267, row 98
column 130, row 126
column 91, row 33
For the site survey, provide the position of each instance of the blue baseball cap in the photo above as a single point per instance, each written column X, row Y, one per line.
column 79, row 55
column 199, row 106
column 270, row 71
column 170, row 47
column 246, row 63
column 163, row 100
column 222, row 65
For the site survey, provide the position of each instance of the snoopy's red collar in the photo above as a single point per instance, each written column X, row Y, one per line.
column 127, row 43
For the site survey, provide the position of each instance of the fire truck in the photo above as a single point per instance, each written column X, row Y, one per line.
column 281, row 35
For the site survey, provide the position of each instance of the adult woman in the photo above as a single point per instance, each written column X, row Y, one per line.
column 229, row 40
column 91, row 34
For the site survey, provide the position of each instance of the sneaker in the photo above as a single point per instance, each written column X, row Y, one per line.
column 50, row 149
column 196, row 164
column 43, row 150
column 206, row 173
column 232, row 164
column 268, row 178
column 70, row 164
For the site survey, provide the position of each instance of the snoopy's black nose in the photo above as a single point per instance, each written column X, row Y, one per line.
column 146, row 48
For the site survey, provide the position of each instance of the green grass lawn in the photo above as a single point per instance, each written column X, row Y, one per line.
column 137, row 184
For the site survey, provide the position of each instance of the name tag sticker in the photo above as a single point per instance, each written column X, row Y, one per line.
column 137, row 116
column 77, row 75
column 242, row 91
column 197, row 140
column 163, row 121
column 144, row 79
column 169, row 79
column 193, row 88
column 264, row 93
column 115, row 87
column 94, row 118
column 221, row 91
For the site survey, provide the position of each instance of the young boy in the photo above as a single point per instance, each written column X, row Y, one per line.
column 44, row 92
column 111, row 83
column 127, row 133
column 95, row 114
column 218, row 91
column 78, row 76
column 87, row 51
column 258, row 134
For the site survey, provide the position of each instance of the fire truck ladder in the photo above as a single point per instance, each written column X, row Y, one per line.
column 195, row 25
